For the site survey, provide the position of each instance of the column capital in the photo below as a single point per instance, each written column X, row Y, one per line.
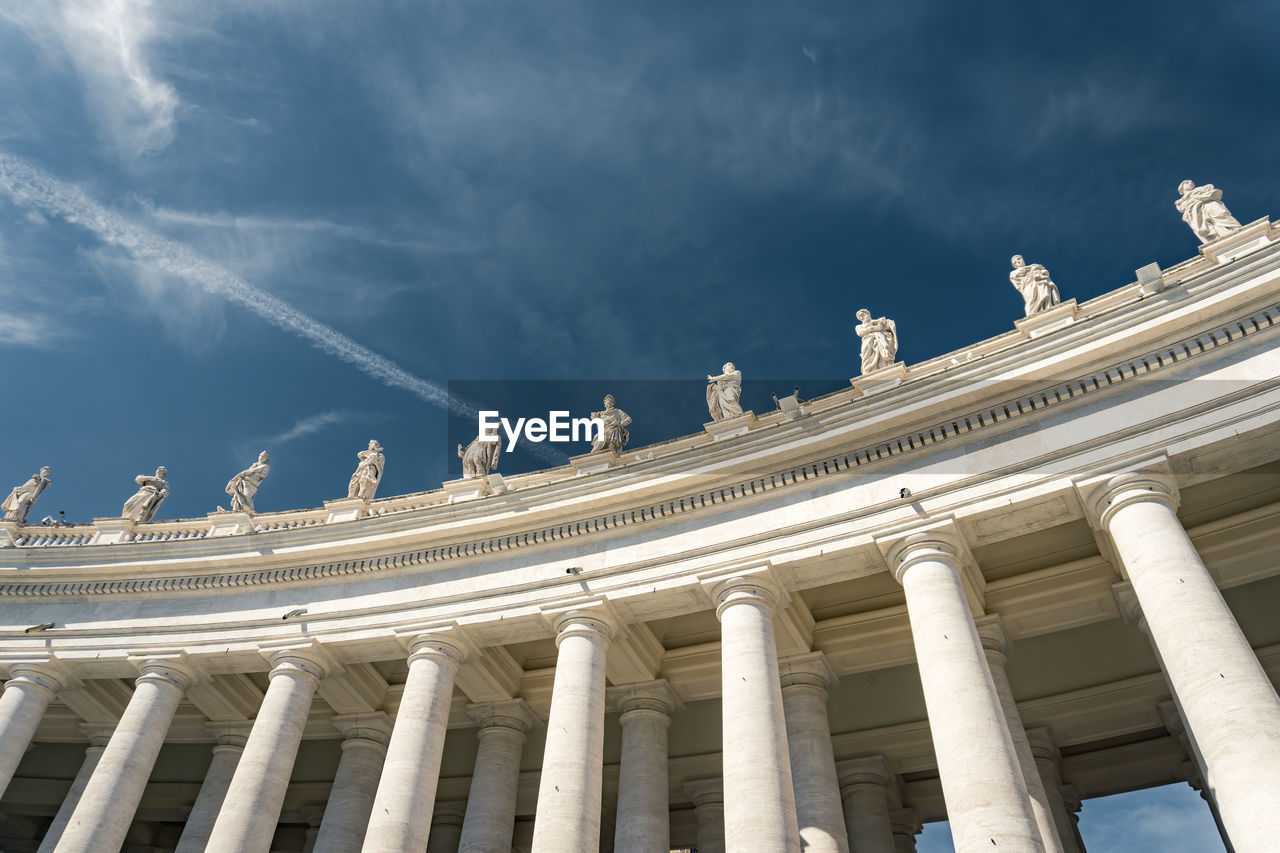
column 870, row 770
column 1130, row 607
column 905, row 822
column 440, row 640
column 372, row 727
column 512, row 714
column 807, row 670
column 45, row 671
column 704, row 792
column 230, row 733
column 1043, row 745
column 306, row 657
column 593, row 616
column 656, row 696
column 1104, row 492
column 756, row 585
column 927, row 539
column 992, row 633
column 167, row 666
column 98, row 734
column 449, row 812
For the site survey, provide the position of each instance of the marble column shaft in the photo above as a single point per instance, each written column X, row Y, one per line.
column 643, row 822
column 346, row 814
column 805, row 691
column 864, row 790
column 569, row 792
column 986, row 797
column 229, row 741
column 27, row 693
column 251, row 809
column 759, row 795
column 995, row 644
column 446, row 827
column 489, row 823
column 1047, row 758
column 102, row 817
column 1230, row 705
column 708, row 810
column 99, row 736
column 402, row 807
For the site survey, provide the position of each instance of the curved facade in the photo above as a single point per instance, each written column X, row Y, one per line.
column 979, row 588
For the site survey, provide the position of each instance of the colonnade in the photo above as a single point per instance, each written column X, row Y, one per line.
column 781, row 789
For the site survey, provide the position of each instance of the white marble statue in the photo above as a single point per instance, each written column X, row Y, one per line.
column 614, row 436
column 151, row 493
column 1203, row 210
column 1033, row 282
column 480, row 457
column 243, row 486
column 723, row 392
column 364, row 482
column 18, row 505
column 879, row 341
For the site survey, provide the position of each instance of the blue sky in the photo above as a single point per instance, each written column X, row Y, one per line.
column 289, row 225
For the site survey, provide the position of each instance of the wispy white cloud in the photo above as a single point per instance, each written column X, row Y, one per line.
column 29, row 185
column 30, row 330
column 108, row 43
column 306, row 426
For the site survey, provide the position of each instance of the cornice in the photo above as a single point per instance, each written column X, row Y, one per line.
column 1149, row 362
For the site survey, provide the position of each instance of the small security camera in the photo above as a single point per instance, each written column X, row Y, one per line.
column 43, row 626
column 300, row 611
column 904, row 493
column 573, row 570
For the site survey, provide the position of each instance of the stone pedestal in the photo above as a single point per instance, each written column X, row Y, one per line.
column 111, row 531
column 987, row 802
column 346, row 509
column 730, row 427
column 466, row 490
column 568, row 815
column 401, row 815
column 594, row 462
column 1049, row 320
column 229, row 523
column 8, row 532
column 880, row 380
column 806, row 681
column 1245, row 241
column 759, row 797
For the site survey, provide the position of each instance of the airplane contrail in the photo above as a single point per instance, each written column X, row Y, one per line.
column 28, row 183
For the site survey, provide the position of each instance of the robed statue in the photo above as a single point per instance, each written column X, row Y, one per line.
column 243, row 486
column 614, row 435
column 151, row 493
column 1033, row 282
column 1203, row 210
column 723, row 392
column 480, row 457
column 364, row 482
column 879, row 341
column 18, row 505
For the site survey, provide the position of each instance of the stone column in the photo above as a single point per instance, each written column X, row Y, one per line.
column 401, row 816
column 32, row 683
column 995, row 645
column 522, row 837
column 569, row 792
column 987, row 802
column 759, row 797
column 643, row 822
column 446, row 826
column 1046, row 755
column 102, row 817
column 229, row 741
column 99, row 736
column 346, row 814
column 864, row 788
column 489, row 823
column 906, row 826
column 708, row 810
column 251, row 810
column 806, row 680
column 1231, row 709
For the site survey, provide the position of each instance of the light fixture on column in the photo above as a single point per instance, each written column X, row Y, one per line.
column 43, row 626
column 904, row 492
column 296, row 612
column 573, row 570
